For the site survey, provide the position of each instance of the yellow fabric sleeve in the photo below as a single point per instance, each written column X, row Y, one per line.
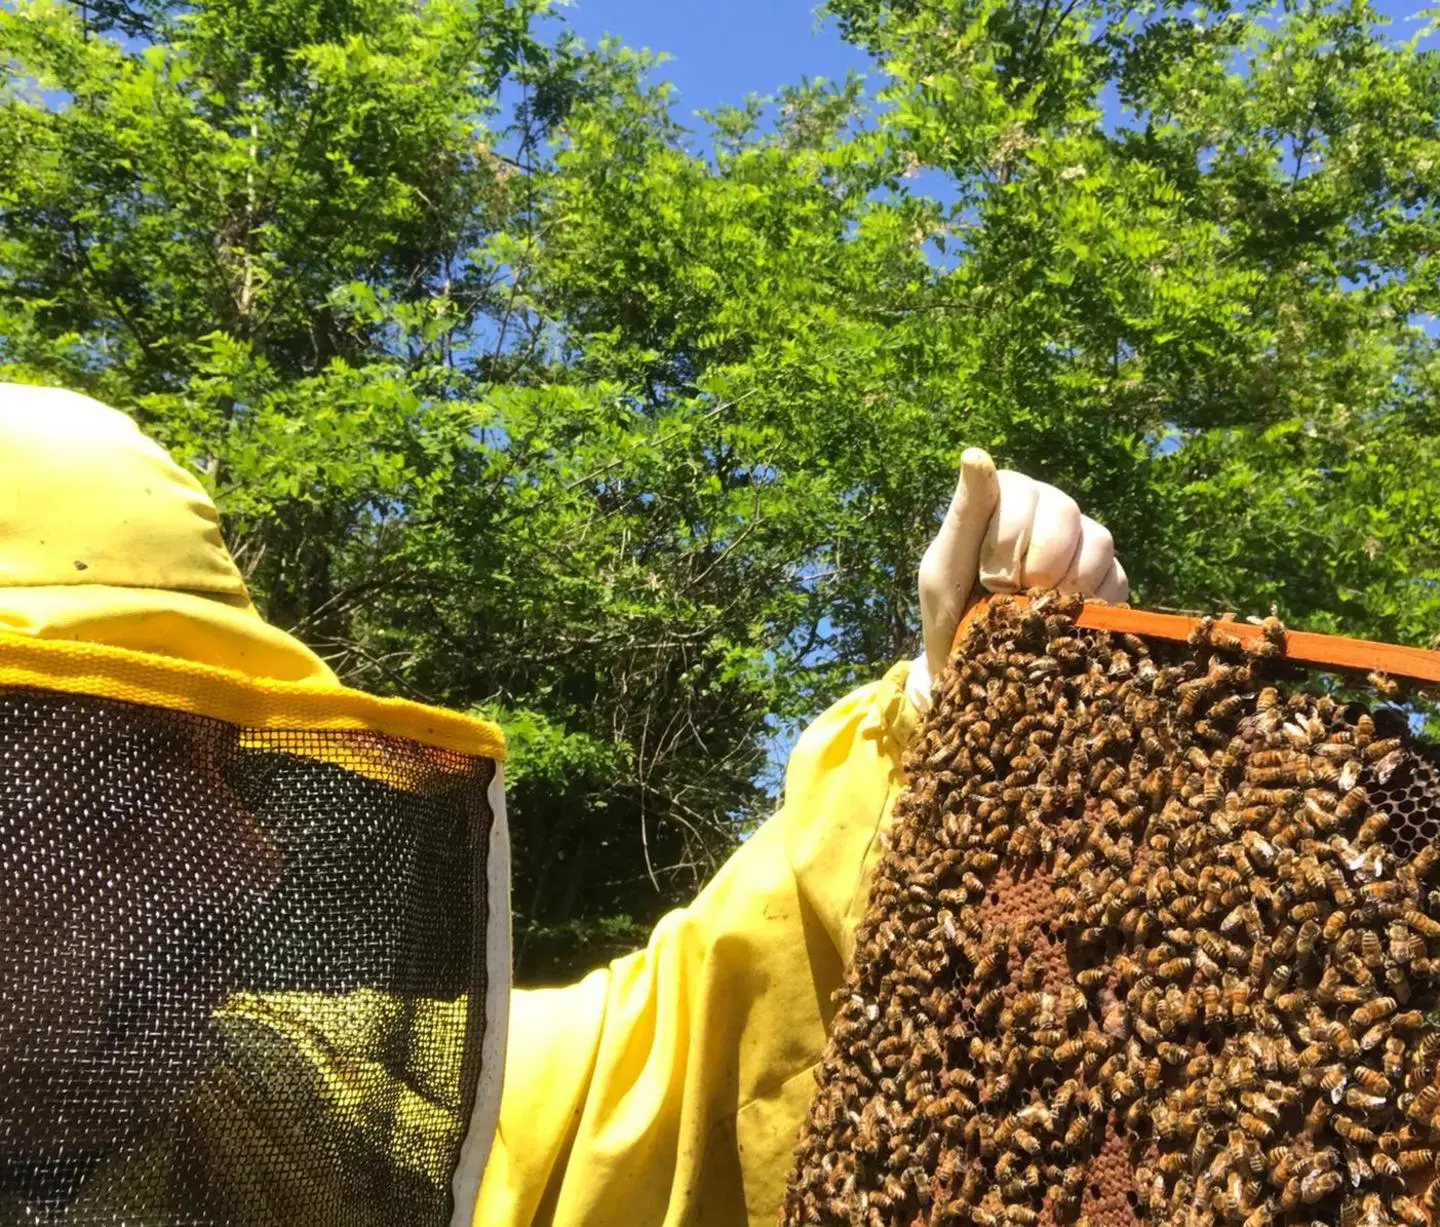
column 669, row 1088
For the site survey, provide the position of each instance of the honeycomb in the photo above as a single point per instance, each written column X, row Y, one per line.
column 1155, row 939
column 1411, row 796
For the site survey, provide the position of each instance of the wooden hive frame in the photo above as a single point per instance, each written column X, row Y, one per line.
column 1304, row 647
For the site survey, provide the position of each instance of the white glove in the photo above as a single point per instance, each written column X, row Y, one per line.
column 1005, row 532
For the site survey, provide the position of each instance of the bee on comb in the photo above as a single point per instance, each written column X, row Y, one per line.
column 1173, row 954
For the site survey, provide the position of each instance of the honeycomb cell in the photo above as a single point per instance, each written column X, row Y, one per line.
column 1411, row 798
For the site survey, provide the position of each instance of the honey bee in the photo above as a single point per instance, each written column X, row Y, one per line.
column 1226, row 641
column 1174, row 969
column 1334, row 925
column 1410, row 1211
column 989, row 965
column 1111, row 780
column 1258, row 815
column 1199, row 1066
column 1305, row 939
column 1350, row 804
column 1318, row 1185
column 1123, row 1088
column 1227, row 707
column 1255, row 1126
column 1383, row 891
column 1366, row 1101
column 1290, row 1194
column 1348, row 994
column 1385, row 1165
column 1393, row 1059
column 1172, row 1163
column 1432, row 1195
column 1289, row 767
column 1282, row 1164
column 990, row 1004
column 1415, row 1160
column 1371, row 1080
column 1421, row 923
column 1372, row 1011
column 1374, row 1213
column 1372, row 954
column 1375, row 1036
column 1422, row 1107
column 1244, row 916
column 1279, row 979
column 1282, row 798
column 1008, row 1165
column 1213, row 1002
column 1374, row 751
column 1424, row 860
column 1405, row 944
column 1372, row 828
column 1350, row 1129
column 1357, row 1166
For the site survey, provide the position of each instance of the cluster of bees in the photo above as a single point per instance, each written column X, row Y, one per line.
column 1155, row 940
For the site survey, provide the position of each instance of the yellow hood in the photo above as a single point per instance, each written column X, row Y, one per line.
column 104, row 539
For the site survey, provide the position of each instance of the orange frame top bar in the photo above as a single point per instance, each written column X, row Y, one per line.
column 1306, row 647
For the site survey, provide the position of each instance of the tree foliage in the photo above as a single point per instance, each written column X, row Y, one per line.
column 519, row 396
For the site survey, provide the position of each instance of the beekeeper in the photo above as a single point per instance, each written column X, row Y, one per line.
column 254, row 961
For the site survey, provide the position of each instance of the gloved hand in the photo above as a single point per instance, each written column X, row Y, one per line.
column 1005, row 532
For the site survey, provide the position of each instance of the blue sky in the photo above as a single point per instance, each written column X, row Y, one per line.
column 722, row 49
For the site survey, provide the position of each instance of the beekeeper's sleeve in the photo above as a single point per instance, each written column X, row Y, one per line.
column 669, row 1087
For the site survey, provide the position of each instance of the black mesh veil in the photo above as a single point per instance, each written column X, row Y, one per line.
column 242, row 973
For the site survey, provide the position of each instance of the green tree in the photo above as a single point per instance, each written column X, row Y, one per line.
column 1197, row 246
column 287, row 237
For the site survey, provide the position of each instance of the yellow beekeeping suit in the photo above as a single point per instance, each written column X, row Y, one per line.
column 105, row 539
column 666, row 1088
column 669, row 1087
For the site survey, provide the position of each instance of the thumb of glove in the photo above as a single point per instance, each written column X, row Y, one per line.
column 951, row 564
